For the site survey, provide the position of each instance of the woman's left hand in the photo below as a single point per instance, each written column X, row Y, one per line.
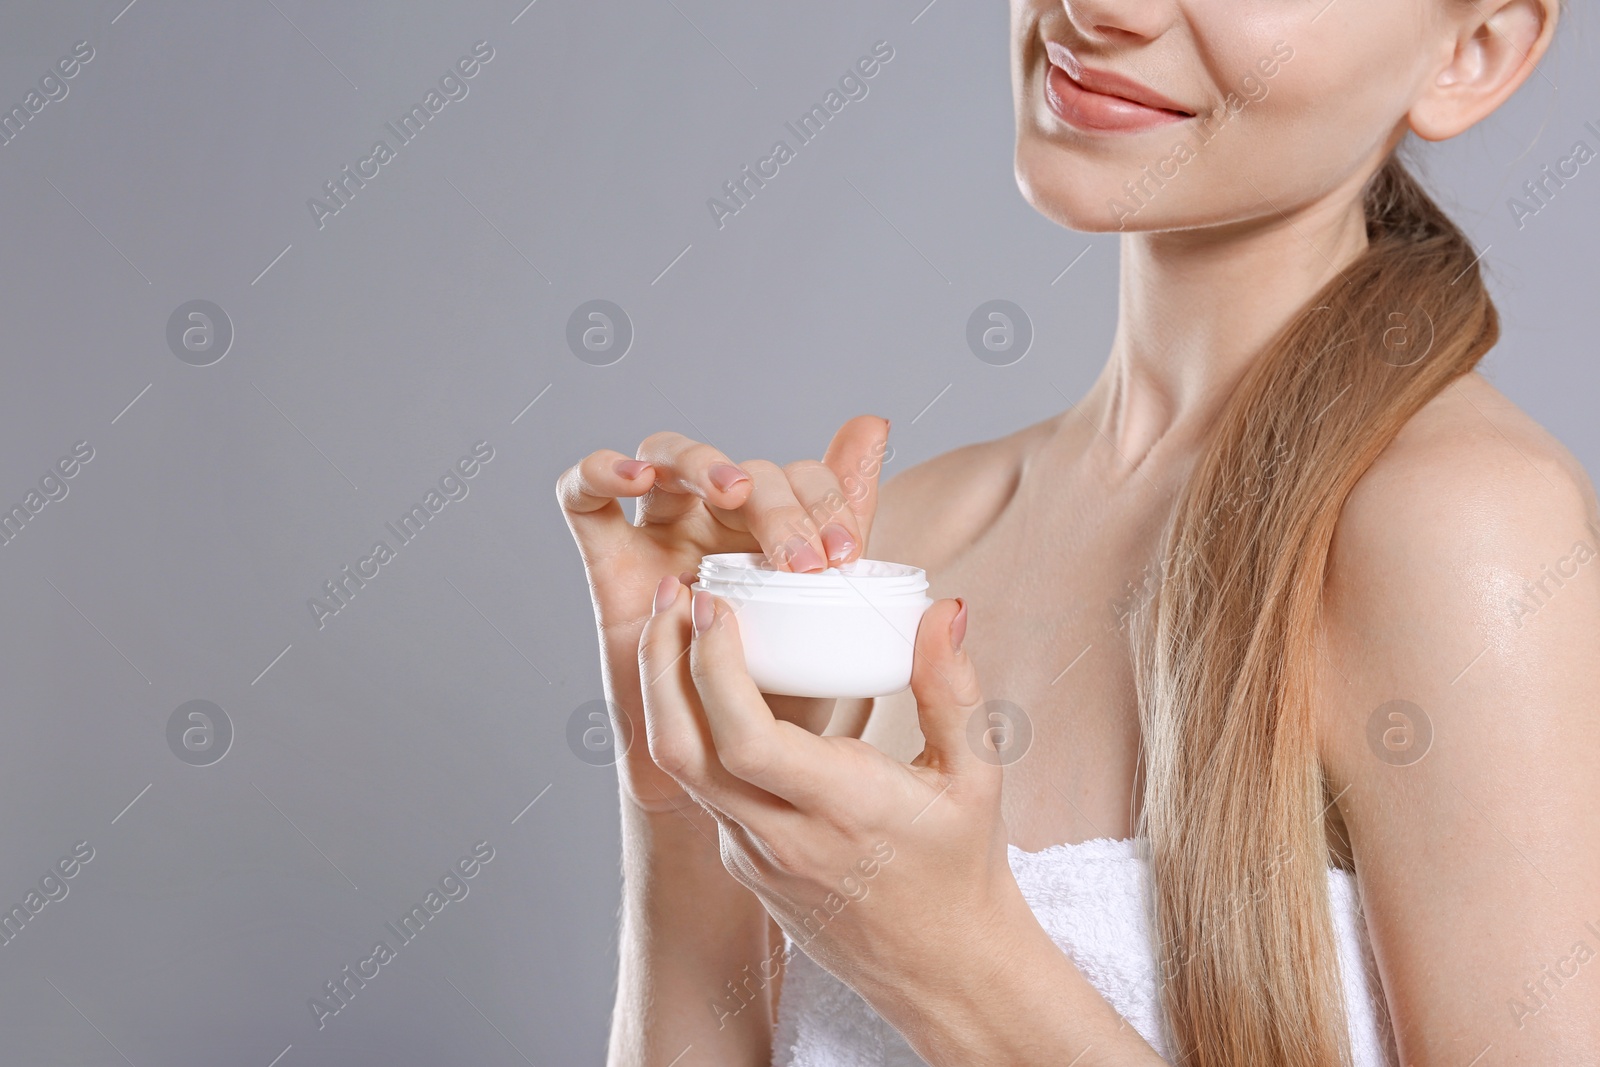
column 887, row 874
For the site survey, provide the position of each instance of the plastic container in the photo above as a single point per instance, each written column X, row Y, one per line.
column 847, row 631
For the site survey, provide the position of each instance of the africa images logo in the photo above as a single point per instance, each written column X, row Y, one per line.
column 338, row 992
column 452, row 87
column 852, row 86
column 453, row 485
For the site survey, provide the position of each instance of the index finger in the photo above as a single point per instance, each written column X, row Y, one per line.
column 686, row 466
column 588, row 492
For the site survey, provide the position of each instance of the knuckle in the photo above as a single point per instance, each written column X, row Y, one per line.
column 698, row 454
column 843, row 820
column 764, row 467
column 788, row 520
column 804, row 466
column 968, row 692
column 747, row 756
column 670, row 754
column 660, row 441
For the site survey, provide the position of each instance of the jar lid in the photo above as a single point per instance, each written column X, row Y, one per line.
column 743, row 572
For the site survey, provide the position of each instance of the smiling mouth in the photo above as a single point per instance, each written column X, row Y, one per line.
column 1086, row 109
column 1101, row 99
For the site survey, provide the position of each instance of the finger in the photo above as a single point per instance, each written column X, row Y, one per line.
column 778, row 757
column 679, row 739
column 817, row 489
column 774, row 517
column 855, row 455
column 688, row 471
column 944, row 682
column 588, row 492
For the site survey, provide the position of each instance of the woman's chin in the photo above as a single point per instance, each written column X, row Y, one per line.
column 1081, row 206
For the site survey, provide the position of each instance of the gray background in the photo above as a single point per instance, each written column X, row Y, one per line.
column 374, row 352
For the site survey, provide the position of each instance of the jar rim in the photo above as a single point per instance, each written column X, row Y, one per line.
column 745, row 571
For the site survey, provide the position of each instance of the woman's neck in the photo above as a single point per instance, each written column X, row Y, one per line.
column 1197, row 306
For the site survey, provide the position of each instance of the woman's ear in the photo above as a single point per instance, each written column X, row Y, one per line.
column 1494, row 46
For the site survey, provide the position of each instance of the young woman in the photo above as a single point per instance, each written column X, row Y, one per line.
column 1298, row 611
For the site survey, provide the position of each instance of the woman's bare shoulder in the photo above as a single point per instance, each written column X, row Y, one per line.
column 1468, row 524
column 928, row 512
column 1470, row 469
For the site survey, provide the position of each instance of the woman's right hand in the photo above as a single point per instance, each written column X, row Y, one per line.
column 693, row 501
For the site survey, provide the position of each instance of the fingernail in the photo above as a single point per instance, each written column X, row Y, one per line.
column 703, row 610
column 725, row 476
column 666, row 593
column 958, row 626
column 801, row 556
column 837, row 540
column 631, row 468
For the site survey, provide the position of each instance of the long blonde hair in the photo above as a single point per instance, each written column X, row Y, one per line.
column 1232, row 785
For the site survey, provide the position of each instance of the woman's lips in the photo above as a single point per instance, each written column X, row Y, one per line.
column 1088, row 110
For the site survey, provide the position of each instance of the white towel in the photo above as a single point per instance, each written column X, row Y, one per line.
column 1091, row 898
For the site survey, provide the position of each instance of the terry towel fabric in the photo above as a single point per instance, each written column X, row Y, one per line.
column 1091, row 898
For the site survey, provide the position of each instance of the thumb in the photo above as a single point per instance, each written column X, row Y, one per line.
column 855, row 456
column 950, row 704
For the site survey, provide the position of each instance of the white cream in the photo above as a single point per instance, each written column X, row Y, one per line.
column 847, row 631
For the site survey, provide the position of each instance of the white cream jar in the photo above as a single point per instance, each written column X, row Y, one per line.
column 847, row 631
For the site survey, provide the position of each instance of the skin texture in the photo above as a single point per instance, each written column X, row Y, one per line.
column 1478, row 864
